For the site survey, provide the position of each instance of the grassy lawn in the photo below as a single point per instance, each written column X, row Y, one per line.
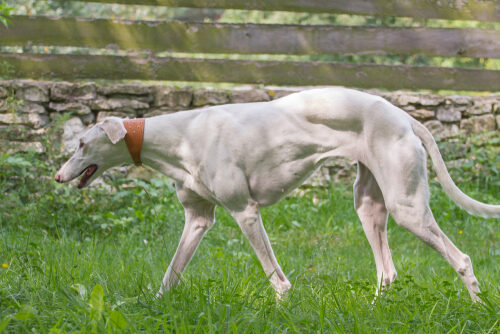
column 92, row 261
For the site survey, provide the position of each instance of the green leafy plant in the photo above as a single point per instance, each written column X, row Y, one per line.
column 11, row 103
column 6, row 69
column 481, row 160
column 5, row 13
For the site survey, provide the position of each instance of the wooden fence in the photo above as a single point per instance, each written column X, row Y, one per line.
column 216, row 38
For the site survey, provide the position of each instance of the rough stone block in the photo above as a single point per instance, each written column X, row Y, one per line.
column 459, row 100
column 204, row 97
column 88, row 119
column 422, row 114
column 483, row 106
column 33, row 120
column 442, row 131
column 19, row 146
column 448, row 114
column 3, row 92
column 173, row 97
column 125, row 89
column 103, row 114
column 30, row 108
column 430, row 100
column 31, row 91
column 478, row 124
column 389, row 96
column 72, row 107
column 4, row 106
column 402, row 99
column 406, row 98
column 124, row 105
column 249, row 95
column 149, row 99
column 21, row 133
column 7, row 106
column 72, row 130
column 159, row 111
column 66, row 91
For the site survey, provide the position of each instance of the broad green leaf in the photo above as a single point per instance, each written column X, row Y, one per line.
column 96, row 302
column 25, row 313
column 4, row 322
column 117, row 322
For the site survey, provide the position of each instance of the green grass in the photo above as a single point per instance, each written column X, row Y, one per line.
column 92, row 261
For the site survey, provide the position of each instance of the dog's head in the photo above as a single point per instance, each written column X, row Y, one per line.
column 101, row 147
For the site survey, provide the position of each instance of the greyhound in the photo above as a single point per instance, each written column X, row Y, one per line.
column 246, row 156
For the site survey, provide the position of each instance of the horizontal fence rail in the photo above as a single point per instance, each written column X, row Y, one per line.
column 75, row 67
column 183, row 36
column 482, row 10
column 147, row 37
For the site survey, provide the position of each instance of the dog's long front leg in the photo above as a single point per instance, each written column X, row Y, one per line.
column 198, row 220
column 250, row 223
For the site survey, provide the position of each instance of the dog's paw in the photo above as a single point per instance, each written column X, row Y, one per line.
column 283, row 291
column 159, row 294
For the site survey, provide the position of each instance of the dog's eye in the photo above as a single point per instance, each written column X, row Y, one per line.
column 82, row 144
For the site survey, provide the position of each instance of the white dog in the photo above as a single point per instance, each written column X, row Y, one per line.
column 246, row 156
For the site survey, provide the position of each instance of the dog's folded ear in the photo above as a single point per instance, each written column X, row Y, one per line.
column 114, row 128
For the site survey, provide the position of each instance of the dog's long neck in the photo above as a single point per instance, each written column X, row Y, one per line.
column 163, row 145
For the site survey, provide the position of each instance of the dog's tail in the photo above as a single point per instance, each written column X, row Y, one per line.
column 465, row 202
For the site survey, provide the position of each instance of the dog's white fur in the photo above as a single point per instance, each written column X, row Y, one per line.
column 246, row 156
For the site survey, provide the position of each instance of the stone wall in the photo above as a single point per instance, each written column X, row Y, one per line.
column 28, row 108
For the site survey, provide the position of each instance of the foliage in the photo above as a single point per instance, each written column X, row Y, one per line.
column 11, row 103
column 481, row 160
column 90, row 261
column 6, row 70
column 5, row 13
column 485, row 154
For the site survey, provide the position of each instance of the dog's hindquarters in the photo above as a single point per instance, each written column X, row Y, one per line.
column 404, row 185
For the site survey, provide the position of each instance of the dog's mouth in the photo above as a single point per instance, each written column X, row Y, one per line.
column 87, row 174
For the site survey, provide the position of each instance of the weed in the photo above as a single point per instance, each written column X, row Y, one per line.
column 5, row 13
column 6, row 70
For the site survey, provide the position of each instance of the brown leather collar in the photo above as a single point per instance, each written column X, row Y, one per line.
column 134, row 138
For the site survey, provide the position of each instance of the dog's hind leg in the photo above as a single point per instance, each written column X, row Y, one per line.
column 406, row 191
column 370, row 206
column 250, row 223
column 422, row 223
column 200, row 216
